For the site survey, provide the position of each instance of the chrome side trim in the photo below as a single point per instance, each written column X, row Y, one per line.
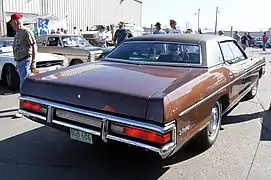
column 29, row 114
column 214, row 93
column 76, row 127
column 238, row 99
column 102, row 116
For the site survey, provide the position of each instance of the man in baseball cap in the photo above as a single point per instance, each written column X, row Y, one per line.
column 24, row 49
column 158, row 29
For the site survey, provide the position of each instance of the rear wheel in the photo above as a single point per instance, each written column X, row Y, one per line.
column 209, row 134
column 11, row 77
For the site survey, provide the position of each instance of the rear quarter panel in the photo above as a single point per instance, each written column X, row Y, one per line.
column 191, row 103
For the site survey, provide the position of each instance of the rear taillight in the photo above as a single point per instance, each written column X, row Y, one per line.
column 142, row 134
column 36, row 107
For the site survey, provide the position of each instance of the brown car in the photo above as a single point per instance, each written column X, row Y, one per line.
column 74, row 47
column 155, row 92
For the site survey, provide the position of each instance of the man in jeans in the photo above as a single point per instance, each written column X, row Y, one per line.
column 24, row 49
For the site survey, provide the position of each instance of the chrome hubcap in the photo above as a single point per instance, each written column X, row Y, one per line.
column 254, row 89
column 214, row 123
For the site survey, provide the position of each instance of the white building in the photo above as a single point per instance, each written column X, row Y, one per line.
column 78, row 13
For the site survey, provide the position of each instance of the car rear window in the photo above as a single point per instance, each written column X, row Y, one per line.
column 157, row 52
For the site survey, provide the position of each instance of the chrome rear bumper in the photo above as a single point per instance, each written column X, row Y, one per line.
column 101, row 122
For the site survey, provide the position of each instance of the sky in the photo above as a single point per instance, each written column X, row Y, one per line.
column 245, row 15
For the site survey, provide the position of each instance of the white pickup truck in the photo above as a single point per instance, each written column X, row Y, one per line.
column 110, row 29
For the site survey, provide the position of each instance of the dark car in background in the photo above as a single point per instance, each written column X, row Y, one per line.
column 259, row 42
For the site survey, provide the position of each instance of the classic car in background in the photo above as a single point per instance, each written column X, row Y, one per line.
column 110, row 29
column 8, row 73
column 259, row 42
column 76, row 48
column 156, row 92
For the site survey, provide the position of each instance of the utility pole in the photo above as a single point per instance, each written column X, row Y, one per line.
column 198, row 18
column 216, row 14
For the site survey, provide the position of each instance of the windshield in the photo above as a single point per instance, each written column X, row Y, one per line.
column 74, row 41
column 157, row 52
column 95, row 28
column 6, row 46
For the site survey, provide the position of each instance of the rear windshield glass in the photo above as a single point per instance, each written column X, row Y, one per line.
column 158, row 52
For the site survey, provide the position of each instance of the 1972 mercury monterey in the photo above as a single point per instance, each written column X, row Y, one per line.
column 155, row 92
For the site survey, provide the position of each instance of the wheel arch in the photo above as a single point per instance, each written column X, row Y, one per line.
column 75, row 59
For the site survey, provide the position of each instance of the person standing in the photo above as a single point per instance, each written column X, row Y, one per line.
column 121, row 34
column 158, row 29
column 244, row 40
column 174, row 29
column 75, row 31
column 220, row 33
column 265, row 39
column 236, row 36
column 24, row 49
column 101, row 37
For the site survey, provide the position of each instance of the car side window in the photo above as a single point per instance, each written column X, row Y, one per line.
column 237, row 53
column 41, row 41
column 226, row 51
column 53, row 41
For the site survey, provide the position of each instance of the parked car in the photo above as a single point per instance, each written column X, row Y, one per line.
column 259, row 42
column 45, row 62
column 156, row 92
column 76, row 48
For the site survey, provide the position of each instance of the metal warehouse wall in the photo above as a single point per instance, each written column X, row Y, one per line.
column 80, row 13
column 83, row 13
column 23, row 6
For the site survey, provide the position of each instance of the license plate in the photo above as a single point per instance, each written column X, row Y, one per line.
column 81, row 136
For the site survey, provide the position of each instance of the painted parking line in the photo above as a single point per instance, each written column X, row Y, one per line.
column 8, row 109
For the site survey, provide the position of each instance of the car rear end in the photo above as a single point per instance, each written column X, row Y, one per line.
column 85, row 125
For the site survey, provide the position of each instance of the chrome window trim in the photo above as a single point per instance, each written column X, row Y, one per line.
column 157, row 63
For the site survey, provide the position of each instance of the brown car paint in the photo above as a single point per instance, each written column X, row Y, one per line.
column 184, row 94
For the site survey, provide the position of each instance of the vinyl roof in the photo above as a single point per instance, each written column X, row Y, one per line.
column 191, row 38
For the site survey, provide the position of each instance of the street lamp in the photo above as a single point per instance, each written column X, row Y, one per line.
column 198, row 13
column 216, row 14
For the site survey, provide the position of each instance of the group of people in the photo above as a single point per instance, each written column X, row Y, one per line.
column 102, row 36
column 173, row 29
column 247, row 40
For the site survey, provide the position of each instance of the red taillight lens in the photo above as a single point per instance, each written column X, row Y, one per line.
column 142, row 134
column 30, row 105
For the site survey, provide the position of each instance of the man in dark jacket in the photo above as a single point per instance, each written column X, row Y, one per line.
column 121, row 34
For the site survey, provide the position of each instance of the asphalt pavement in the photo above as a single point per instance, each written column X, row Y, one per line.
column 29, row 151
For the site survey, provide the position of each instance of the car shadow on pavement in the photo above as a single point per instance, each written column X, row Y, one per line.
column 4, row 90
column 265, row 117
column 264, row 53
column 45, row 153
